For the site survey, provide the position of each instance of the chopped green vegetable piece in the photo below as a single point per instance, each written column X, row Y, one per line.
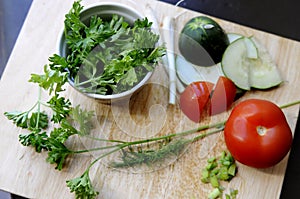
column 214, row 194
column 232, row 170
column 211, row 160
column 211, row 165
column 233, row 193
column 216, row 170
column 223, row 173
column 205, row 176
column 214, row 181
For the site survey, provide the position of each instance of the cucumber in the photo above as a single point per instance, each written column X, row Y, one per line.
column 248, row 64
column 188, row 72
column 264, row 72
column 233, row 36
column 251, row 52
column 211, row 73
column 202, row 41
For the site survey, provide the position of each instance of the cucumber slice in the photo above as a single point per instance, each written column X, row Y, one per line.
column 186, row 71
column 264, row 73
column 211, row 73
column 251, row 49
column 233, row 36
column 248, row 64
column 252, row 52
column 235, row 64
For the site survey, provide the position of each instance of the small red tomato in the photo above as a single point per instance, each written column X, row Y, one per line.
column 194, row 99
column 257, row 133
column 223, row 96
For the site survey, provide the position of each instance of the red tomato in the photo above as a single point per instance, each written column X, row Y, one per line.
column 194, row 99
column 257, row 133
column 223, row 96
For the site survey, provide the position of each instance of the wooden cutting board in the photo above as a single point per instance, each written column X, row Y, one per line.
column 24, row 172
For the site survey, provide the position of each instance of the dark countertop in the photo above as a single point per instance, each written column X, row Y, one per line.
column 272, row 16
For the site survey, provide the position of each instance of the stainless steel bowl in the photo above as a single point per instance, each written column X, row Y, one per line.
column 105, row 11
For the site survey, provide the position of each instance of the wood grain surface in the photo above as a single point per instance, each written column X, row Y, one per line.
column 147, row 114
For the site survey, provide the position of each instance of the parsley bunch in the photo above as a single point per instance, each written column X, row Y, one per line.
column 107, row 56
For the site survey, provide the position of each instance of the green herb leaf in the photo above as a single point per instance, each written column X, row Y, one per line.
column 62, row 133
column 132, row 158
column 38, row 120
column 36, row 139
column 83, row 118
column 58, row 153
column 51, row 80
column 82, row 187
column 61, row 108
column 20, row 119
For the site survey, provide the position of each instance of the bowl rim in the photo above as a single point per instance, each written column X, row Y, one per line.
column 126, row 94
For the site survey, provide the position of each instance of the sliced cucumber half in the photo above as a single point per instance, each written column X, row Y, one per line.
column 188, row 72
column 264, row 72
column 252, row 52
column 248, row 64
column 233, row 36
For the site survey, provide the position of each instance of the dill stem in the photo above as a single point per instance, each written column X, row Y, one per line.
column 102, row 156
column 289, row 104
column 97, row 149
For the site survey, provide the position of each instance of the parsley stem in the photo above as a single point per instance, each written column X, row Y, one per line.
column 94, row 79
column 124, row 144
column 38, row 107
column 180, row 134
column 103, row 140
column 199, row 137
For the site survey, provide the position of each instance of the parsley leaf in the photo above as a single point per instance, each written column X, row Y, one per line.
column 51, row 80
column 20, row 119
column 58, row 153
column 83, row 119
column 35, row 139
column 82, row 186
column 36, row 120
column 62, row 133
column 61, row 108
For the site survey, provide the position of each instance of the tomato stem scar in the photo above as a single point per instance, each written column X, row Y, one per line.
column 261, row 130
